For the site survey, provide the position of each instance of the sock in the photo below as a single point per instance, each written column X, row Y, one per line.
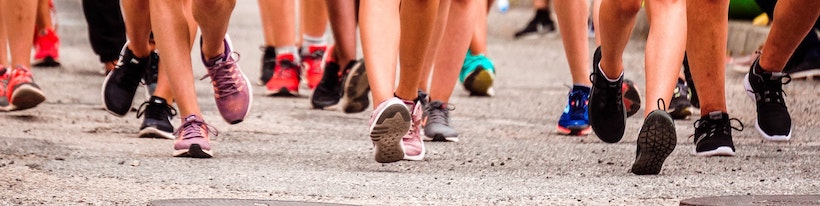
column 288, row 50
column 308, row 41
column 581, row 87
column 543, row 16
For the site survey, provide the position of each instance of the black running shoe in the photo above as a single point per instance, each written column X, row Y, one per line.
column 680, row 107
column 541, row 22
column 606, row 106
column 151, row 75
column 121, row 84
column 766, row 89
column 691, row 82
column 268, row 63
column 157, row 122
column 713, row 135
column 355, row 88
column 656, row 141
column 329, row 90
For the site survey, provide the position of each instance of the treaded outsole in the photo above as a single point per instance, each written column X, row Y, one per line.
column 356, row 87
column 153, row 132
column 392, row 124
column 479, row 82
column 656, row 141
column 26, row 96
column 194, row 151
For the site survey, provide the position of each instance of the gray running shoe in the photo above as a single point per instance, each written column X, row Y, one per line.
column 437, row 122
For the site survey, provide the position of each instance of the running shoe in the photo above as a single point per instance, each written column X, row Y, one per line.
column 607, row 115
column 120, row 85
column 355, row 88
column 575, row 119
column 413, row 145
column 631, row 97
column 477, row 75
column 268, row 64
column 766, row 89
column 713, row 135
column 436, row 122
column 329, row 90
column 680, row 107
column 312, row 64
column 47, row 49
column 809, row 69
column 232, row 89
column 22, row 93
column 158, row 114
column 193, row 138
column 541, row 23
column 656, row 140
column 285, row 79
column 4, row 81
column 388, row 123
column 151, row 74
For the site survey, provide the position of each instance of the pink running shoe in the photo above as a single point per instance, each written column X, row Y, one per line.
column 312, row 63
column 4, row 80
column 192, row 138
column 232, row 89
column 412, row 143
column 21, row 91
column 388, row 123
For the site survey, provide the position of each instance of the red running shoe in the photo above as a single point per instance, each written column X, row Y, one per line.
column 285, row 79
column 47, row 49
column 312, row 63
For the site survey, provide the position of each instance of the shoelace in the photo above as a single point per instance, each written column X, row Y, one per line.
column 287, row 65
column 772, row 91
column 712, row 127
column 438, row 112
column 222, row 76
column 577, row 102
column 192, row 129
column 164, row 112
column 128, row 72
column 318, row 54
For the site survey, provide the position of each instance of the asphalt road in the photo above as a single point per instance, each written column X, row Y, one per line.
column 68, row 151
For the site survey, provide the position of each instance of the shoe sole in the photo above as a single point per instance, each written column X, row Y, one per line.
column 573, row 131
column 479, row 82
column 656, row 141
column 720, row 151
column 766, row 136
column 631, row 97
column 47, row 62
column 282, row 92
column 356, row 86
column 392, row 124
column 439, row 138
column 153, row 132
column 194, row 151
column 807, row 74
column 26, row 96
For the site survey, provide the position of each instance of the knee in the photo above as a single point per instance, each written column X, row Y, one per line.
column 629, row 7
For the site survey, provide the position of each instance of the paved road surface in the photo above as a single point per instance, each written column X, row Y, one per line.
column 69, row 151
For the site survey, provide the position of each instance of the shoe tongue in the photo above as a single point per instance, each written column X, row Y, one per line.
column 716, row 115
column 192, row 117
column 157, row 100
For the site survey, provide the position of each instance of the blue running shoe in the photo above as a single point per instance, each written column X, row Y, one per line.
column 575, row 119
